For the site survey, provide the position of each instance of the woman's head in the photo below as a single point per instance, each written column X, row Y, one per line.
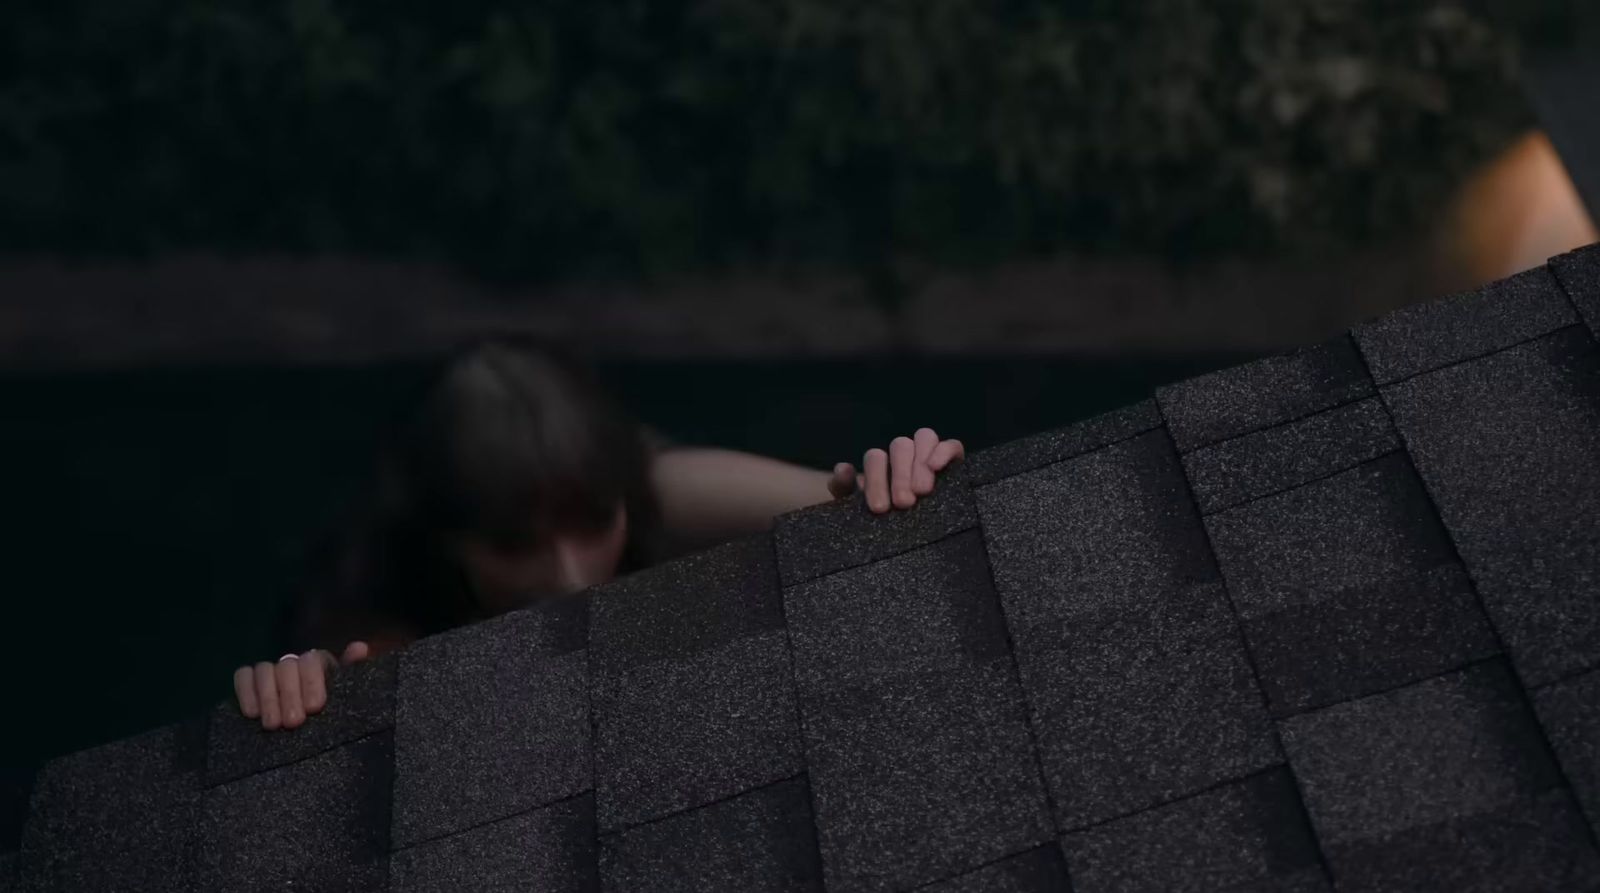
column 515, row 478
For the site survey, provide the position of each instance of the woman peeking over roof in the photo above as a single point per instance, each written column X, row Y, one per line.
column 518, row 479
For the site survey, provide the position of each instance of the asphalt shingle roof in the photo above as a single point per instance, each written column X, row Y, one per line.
column 1329, row 620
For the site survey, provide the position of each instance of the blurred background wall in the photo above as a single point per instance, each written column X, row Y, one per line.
column 199, row 178
column 233, row 236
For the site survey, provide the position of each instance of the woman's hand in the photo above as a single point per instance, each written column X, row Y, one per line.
column 895, row 479
column 283, row 694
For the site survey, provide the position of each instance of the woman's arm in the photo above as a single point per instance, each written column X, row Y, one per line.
column 711, row 495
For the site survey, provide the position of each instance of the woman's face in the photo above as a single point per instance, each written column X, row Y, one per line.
column 563, row 564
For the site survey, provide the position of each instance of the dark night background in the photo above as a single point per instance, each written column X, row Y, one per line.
column 651, row 136
column 161, row 481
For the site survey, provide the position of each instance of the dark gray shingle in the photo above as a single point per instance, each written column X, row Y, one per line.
column 1435, row 334
column 321, row 824
column 119, row 817
column 1236, row 471
column 759, row 840
column 1039, row 870
column 844, row 534
column 1569, row 711
column 1002, row 461
column 1263, row 394
column 1509, row 447
column 1445, row 784
column 1533, row 846
column 491, row 720
column 693, row 689
column 1579, row 275
column 1134, row 668
column 1348, row 586
column 687, row 606
column 1250, row 834
column 683, row 732
column 546, row 850
column 916, row 736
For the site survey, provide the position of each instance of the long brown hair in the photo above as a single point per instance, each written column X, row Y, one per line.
column 511, row 441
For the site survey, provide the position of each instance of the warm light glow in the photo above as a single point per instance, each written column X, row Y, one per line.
column 1515, row 213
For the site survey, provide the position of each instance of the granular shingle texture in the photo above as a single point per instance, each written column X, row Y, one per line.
column 1139, row 684
column 1447, row 783
column 1348, row 586
column 1579, row 274
column 1249, row 834
column 319, row 824
column 118, row 817
column 1430, row 336
column 1039, row 870
column 689, row 660
column 1260, row 395
column 491, row 720
column 843, row 534
column 1330, row 620
column 550, row 849
column 763, row 839
column 1050, row 447
column 917, row 741
column 1256, row 465
column 1570, row 713
column 1507, row 447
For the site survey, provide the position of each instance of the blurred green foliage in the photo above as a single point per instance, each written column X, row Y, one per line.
column 572, row 136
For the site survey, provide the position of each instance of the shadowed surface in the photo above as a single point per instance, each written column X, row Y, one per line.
column 1325, row 621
